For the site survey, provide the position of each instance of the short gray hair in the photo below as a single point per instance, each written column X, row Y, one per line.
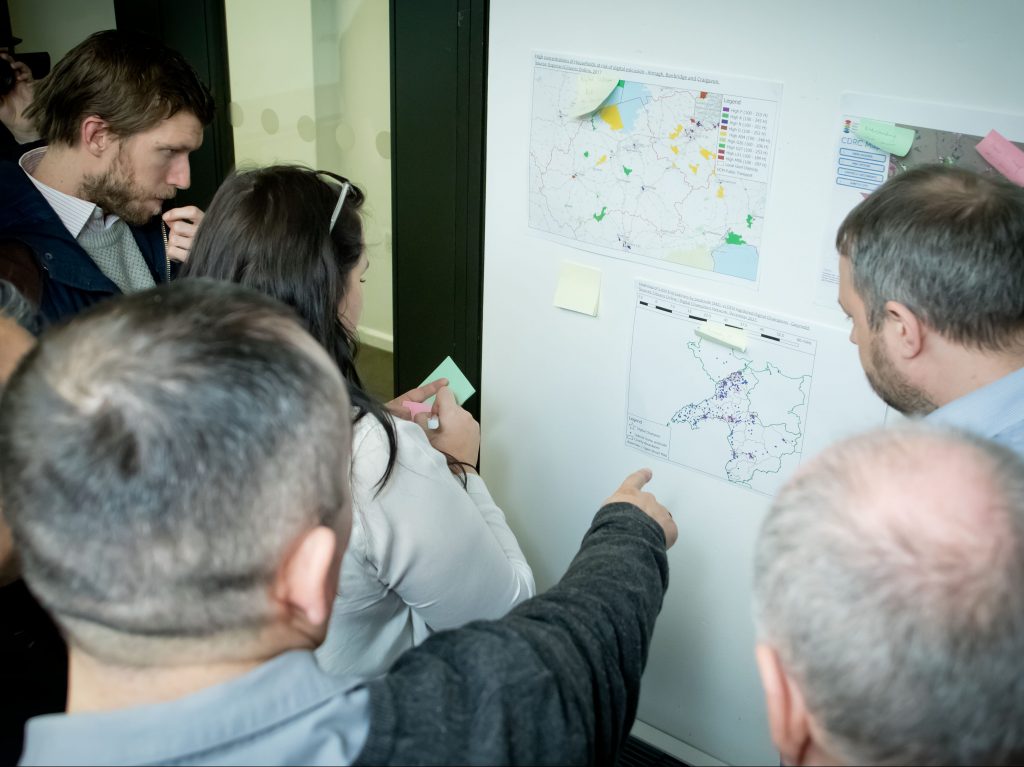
column 947, row 243
column 162, row 451
column 905, row 632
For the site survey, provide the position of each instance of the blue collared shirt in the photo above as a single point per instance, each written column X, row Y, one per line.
column 995, row 411
column 286, row 711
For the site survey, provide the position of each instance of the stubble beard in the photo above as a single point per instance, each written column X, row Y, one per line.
column 116, row 192
column 894, row 389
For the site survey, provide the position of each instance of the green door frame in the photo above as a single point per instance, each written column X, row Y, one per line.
column 438, row 119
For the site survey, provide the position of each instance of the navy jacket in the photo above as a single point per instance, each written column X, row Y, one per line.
column 71, row 281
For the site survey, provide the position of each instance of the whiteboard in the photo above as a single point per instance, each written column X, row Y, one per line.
column 556, row 384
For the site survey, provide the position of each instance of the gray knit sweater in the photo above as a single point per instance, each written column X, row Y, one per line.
column 554, row 682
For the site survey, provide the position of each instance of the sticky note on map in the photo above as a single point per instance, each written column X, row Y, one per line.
column 1002, row 155
column 734, row 338
column 579, row 288
column 457, row 381
column 886, row 136
column 591, row 91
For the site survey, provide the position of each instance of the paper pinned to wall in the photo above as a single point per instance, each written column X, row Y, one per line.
column 579, row 288
column 943, row 134
column 886, row 136
column 591, row 91
column 1003, row 156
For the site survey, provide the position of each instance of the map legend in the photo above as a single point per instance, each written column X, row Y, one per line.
column 722, row 132
column 745, row 138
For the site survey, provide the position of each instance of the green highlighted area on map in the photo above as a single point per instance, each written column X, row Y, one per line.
column 600, row 216
column 734, row 239
column 750, row 221
column 626, row 170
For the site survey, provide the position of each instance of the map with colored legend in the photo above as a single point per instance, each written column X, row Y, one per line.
column 671, row 168
column 860, row 167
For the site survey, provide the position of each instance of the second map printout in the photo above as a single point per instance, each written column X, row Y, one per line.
column 746, row 417
column 670, row 169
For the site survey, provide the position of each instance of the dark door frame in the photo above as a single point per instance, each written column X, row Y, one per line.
column 438, row 119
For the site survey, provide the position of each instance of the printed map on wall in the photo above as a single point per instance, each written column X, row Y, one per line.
column 739, row 416
column 671, row 169
column 860, row 168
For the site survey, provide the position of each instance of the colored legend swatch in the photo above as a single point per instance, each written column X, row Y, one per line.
column 723, row 132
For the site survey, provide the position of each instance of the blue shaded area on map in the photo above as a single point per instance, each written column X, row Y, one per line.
column 630, row 99
column 736, row 261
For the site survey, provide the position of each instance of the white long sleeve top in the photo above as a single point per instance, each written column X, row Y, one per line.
column 425, row 554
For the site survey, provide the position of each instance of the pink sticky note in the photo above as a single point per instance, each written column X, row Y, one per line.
column 415, row 407
column 1003, row 156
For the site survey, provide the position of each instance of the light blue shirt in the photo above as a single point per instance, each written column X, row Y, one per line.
column 286, row 711
column 995, row 411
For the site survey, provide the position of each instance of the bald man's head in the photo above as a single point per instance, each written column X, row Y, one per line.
column 888, row 578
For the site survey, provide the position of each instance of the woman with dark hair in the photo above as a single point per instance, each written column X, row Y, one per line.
column 429, row 549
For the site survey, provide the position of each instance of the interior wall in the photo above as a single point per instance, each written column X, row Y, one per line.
column 310, row 84
column 57, row 26
column 556, row 383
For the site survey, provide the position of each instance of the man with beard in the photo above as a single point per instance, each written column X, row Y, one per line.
column 80, row 218
column 931, row 273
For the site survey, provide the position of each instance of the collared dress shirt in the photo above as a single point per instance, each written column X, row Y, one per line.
column 995, row 411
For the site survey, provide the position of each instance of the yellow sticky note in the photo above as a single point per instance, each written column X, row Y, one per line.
column 734, row 338
column 591, row 91
column 886, row 136
column 579, row 288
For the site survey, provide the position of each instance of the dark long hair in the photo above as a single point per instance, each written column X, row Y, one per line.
column 270, row 229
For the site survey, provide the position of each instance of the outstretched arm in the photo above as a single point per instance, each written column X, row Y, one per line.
column 554, row 682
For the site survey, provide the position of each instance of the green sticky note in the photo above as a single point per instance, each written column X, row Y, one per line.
column 457, row 381
column 886, row 136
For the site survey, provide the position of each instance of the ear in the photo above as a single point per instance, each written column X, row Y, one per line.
column 96, row 135
column 788, row 719
column 307, row 579
column 903, row 329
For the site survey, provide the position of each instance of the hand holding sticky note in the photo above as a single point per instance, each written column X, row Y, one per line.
column 416, row 407
column 886, row 136
column 1003, row 156
column 460, row 386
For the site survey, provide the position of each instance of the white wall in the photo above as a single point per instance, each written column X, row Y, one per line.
column 57, row 26
column 555, row 383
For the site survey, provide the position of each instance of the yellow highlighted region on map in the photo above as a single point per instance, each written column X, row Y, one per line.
column 611, row 116
column 720, row 193
column 694, row 168
column 675, row 134
column 603, row 158
column 698, row 258
column 675, row 149
column 705, row 153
